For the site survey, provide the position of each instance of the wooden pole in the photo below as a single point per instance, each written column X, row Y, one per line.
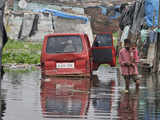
column 2, row 3
column 157, row 47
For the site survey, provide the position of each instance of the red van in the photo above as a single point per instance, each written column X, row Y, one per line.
column 71, row 54
column 66, row 54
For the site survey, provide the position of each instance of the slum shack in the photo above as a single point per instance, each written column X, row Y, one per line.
column 32, row 20
column 139, row 22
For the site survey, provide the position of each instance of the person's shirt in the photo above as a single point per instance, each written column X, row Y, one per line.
column 125, row 58
column 134, row 57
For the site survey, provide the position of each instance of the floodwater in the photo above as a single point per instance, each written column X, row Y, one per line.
column 25, row 97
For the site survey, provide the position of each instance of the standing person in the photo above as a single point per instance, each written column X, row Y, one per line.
column 126, row 64
column 134, row 62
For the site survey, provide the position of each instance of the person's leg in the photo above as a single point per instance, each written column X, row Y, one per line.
column 127, row 82
column 137, row 81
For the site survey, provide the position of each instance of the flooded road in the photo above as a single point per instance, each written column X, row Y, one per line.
column 102, row 98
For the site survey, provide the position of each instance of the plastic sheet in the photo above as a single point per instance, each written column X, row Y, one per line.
column 151, row 12
column 62, row 14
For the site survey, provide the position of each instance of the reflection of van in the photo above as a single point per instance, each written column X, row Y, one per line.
column 65, row 97
column 66, row 54
column 71, row 54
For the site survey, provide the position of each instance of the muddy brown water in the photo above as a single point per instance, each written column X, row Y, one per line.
column 102, row 98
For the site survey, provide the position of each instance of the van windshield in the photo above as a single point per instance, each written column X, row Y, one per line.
column 64, row 44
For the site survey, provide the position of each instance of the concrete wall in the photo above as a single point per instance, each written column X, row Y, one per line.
column 44, row 27
column 73, row 26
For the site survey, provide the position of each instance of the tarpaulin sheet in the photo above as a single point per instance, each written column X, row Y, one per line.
column 116, row 12
column 151, row 12
column 103, row 10
column 62, row 14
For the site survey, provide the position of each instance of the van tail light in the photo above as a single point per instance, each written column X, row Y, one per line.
column 80, row 63
column 50, row 64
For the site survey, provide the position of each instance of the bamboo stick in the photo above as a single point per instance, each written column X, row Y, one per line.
column 157, row 48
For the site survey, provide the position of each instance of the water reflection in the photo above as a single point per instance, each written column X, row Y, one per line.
column 104, row 97
column 21, row 95
column 2, row 107
column 128, row 106
column 100, row 98
column 149, row 108
column 65, row 97
column 2, row 101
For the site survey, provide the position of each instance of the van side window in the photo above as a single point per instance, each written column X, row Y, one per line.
column 103, row 40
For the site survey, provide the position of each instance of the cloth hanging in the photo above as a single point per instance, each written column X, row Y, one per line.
column 34, row 26
column 139, row 15
column 53, row 27
column 125, row 33
column 21, row 30
column 126, row 17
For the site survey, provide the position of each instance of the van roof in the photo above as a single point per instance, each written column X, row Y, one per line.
column 64, row 34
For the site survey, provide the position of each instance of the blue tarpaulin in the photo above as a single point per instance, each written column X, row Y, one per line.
column 116, row 15
column 62, row 14
column 151, row 12
column 103, row 10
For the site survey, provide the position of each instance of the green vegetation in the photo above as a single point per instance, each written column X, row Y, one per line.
column 115, row 36
column 21, row 52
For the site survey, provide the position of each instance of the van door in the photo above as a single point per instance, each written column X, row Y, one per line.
column 89, row 61
column 103, row 51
